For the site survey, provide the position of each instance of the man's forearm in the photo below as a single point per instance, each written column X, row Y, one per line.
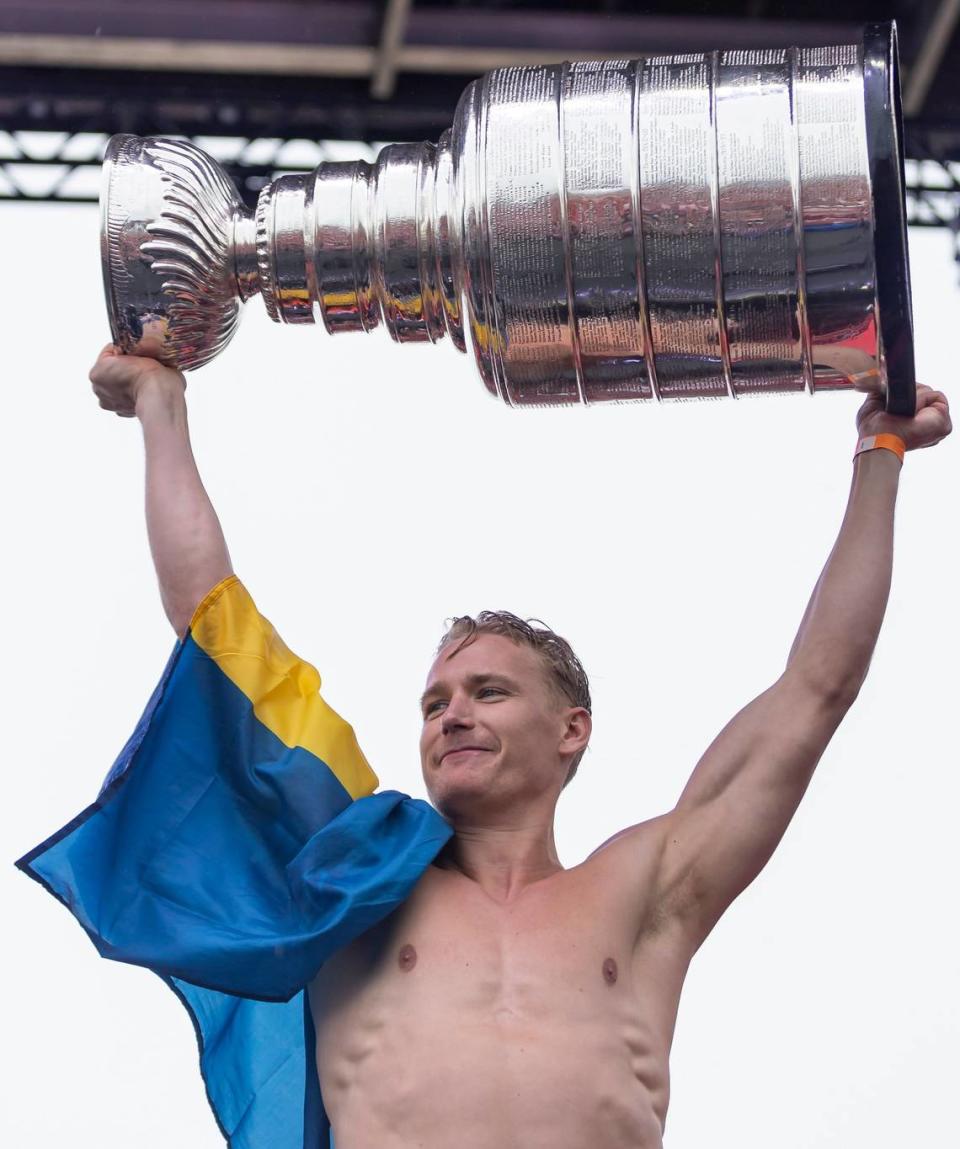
column 839, row 630
column 189, row 551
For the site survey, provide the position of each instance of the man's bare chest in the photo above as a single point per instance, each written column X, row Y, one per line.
column 430, row 1020
column 562, row 955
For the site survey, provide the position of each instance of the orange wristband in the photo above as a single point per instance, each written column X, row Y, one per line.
column 890, row 442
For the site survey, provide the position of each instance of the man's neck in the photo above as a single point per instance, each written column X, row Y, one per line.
column 502, row 862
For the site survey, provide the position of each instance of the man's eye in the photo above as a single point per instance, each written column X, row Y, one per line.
column 430, row 707
column 490, row 690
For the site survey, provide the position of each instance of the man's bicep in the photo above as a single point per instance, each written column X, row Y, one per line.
column 742, row 795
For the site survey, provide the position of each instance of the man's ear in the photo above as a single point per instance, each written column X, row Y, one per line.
column 576, row 734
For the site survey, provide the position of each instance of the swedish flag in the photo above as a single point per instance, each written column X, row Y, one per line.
column 237, row 843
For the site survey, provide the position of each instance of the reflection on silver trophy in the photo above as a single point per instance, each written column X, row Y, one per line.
column 675, row 227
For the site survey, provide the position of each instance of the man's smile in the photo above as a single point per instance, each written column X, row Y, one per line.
column 463, row 750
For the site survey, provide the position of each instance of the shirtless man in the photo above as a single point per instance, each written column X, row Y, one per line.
column 510, row 1002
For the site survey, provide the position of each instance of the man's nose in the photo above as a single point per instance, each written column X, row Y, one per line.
column 456, row 715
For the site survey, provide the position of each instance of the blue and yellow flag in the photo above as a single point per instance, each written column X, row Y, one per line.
column 236, row 844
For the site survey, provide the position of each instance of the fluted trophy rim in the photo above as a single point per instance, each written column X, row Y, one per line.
column 112, row 150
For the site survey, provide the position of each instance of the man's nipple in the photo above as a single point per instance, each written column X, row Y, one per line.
column 610, row 971
column 407, row 958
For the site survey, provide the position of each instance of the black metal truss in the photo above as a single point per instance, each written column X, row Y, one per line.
column 64, row 167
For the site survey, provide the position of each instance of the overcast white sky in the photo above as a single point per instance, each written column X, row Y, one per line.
column 368, row 491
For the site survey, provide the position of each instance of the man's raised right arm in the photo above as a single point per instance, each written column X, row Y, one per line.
column 189, row 551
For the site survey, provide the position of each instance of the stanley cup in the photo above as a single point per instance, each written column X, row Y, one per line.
column 718, row 224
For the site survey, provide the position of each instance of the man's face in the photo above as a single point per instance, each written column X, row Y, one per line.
column 492, row 728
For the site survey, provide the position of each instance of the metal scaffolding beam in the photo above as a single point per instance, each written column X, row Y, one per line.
column 936, row 40
column 65, row 167
column 341, row 39
column 395, row 22
column 259, row 82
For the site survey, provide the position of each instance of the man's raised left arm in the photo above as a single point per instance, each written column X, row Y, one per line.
column 745, row 789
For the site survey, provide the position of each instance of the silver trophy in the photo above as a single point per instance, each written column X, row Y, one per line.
column 676, row 227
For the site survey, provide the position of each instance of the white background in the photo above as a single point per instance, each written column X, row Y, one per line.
column 368, row 491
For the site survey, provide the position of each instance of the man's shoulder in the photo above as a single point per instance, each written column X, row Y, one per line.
column 637, row 840
column 629, row 864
